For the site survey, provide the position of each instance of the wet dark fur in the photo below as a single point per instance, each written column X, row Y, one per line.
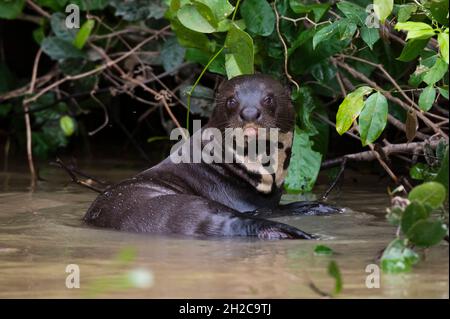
column 201, row 199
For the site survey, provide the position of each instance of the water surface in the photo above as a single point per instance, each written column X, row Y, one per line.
column 41, row 233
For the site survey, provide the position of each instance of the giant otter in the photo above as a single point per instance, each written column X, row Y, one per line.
column 215, row 199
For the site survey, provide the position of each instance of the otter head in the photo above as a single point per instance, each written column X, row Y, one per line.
column 251, row 102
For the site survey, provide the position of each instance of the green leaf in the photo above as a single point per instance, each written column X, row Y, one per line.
column 350, row 108
column 39, row 35
column 430, row 193
column 221, row 9
column 443, row 45
column 83, row 34
column 398, row 258
column 259, row 17
column 438, row 10
column 413, row 213
column 305, row 104
column 198, row 18
column 199, row 56
column 11, row 9
column 412, row 49
column 426, row 98
column 436, row 72
column 239, row 53
column 322, row 250
column 370, row 36
column 325, row 33
column 192, row 39
column 373, row 118
column 59, row 28
column 405, row 11
column 59, row 49
column 394, row 215
column 172, row 54
column 353, row 12
column 421, row 171
column 333, row 271
column 67, row 125
column 202, row 99
column 305, row 164
column 416, row 30
column 383, row 8
column 426, row 233
column 344, row 28
column 319, row 9
column 443, row 92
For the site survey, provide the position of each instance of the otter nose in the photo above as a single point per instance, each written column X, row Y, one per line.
column 250, row 114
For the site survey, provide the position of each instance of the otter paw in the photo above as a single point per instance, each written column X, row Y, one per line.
column 283, row 232
column 311, row 209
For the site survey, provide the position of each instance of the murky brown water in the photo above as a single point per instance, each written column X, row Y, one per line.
column 41, row 233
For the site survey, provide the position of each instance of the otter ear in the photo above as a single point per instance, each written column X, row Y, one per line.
column 220, row 88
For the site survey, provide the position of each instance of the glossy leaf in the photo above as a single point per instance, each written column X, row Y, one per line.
column 319, row 9
column 430, row 193
column 192, row 39
column 416, row 30
column 198, row 18
column 426, row 98
column 443, row 46
column 373, row 118
column 350, row 109
column 239, row 53
column 405, row 11
column 426, row 233
column 221, row 9
column 370, row 35
column 436, row 72
column 412, row 49
column 259, row 16
column 443, row 92
column 413, row 213
column 383, row 8
column 84, row 33
column 305, row 164
column 397, row 258
column 352, row 11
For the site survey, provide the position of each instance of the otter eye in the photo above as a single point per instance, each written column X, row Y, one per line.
column 268, row 100
column 232, row 103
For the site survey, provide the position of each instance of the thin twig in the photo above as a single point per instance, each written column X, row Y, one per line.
column 286, row 71
column 96, row 70
column 28, row 122
column 38, row 9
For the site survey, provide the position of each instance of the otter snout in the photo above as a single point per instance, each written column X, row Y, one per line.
column 249, row 114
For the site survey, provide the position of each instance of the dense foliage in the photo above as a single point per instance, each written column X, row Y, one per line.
column 362, row 68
